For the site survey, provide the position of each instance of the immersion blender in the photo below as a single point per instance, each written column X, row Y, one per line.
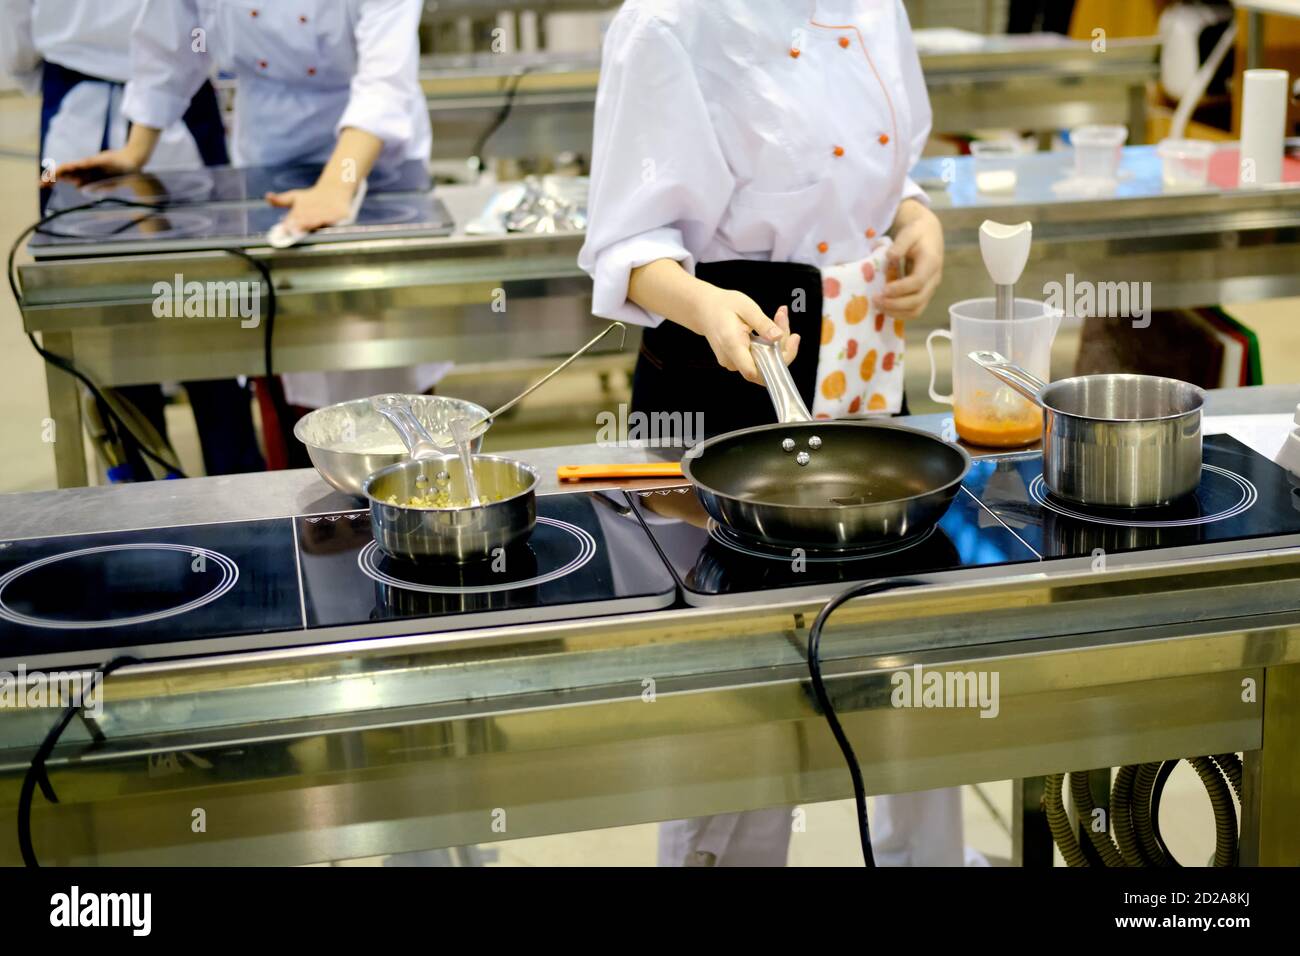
column 1005, row 250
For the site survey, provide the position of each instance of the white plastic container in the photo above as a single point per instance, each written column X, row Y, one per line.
column 995, row 165
column 1263, row 126
column 1186, row 162
column 1098, row 151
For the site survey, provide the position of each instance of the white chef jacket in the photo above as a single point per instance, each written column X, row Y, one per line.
column 306, row 70
column 749, row 129
column 91, row 37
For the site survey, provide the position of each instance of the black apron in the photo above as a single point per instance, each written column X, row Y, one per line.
column 678, row 372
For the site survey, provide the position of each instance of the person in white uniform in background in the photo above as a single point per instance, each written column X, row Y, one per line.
column 750, row 159
column 319, row 81
column 76, row 54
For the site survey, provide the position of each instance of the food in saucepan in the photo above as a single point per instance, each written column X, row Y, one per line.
column 439, row 496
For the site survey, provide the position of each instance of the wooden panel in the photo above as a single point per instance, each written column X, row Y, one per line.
column 1119, row 18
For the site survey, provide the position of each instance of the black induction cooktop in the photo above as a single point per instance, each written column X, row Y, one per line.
column 117, row 230
column 715, row 567
column 587, row 556
column 83, row 599
column 1244, row 501
column 1002, row 518
column 228, row 184
column 215, row 588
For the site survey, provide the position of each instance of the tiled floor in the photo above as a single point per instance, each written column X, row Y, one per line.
column 26, row 463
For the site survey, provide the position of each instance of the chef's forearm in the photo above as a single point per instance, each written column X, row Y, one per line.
column 355, row 154
column 141, row 142
column 909, row 210
column 664, row 288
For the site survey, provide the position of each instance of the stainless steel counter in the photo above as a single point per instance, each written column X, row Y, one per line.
column 381, row 746
column 383, row 303
column 1039, row 82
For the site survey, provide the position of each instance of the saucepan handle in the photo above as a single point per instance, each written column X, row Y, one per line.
column 787, row 401
column 397, row 409
column 1023, row 381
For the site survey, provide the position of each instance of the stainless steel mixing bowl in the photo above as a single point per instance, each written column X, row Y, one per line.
column 340, row 438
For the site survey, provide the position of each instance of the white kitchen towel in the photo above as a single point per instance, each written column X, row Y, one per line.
column 860, row 365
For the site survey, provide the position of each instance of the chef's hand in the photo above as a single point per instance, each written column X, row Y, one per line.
column 310, row 209
column 918, row 241
column 726, row 318
column 131, row 158
column 111, row 162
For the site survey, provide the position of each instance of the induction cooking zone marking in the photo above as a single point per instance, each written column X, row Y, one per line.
column 142, row 187
column 370, row 556
column 131, row 222
column 304, row 177
column 226, row 578
column 730, row 539
column 1249, row 494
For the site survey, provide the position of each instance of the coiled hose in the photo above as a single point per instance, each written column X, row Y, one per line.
column 1058, row 821
column 1135, row 811
column 1084, row 808
column 1121, row 815
column 1230, row 764
column 1144, row 782
column 1225, row 814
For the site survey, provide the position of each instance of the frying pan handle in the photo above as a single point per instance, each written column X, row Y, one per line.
column 1023, row 381
column 401, row 416
column 787, row 401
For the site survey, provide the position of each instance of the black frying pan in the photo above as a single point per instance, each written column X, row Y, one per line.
column 828, row 485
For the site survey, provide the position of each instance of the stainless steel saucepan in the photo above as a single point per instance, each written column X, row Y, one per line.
column 832, row 485
column 350, row 441
column 461, row 533
column 1116, row 441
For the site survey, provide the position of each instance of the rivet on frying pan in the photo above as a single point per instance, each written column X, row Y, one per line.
column 788, row 444
column 814, row 443
column 802, row 458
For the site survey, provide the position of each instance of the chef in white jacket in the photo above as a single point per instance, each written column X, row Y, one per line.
column 750, row 159
column 330, row 81
column 76, row 54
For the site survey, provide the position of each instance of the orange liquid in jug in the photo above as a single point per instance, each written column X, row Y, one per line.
column 995, row 428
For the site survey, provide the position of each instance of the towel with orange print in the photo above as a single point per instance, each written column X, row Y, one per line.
column 860, row 365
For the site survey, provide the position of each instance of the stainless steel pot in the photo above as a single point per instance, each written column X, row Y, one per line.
column 825, row 485
column 1115, row 441
column 507, row 489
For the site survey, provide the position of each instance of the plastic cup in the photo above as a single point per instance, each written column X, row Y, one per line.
column 1186, row 162
column 1098, row 150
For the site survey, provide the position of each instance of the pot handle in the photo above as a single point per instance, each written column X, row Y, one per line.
column 397, row 409
column 1022, row 380
column 787, row 401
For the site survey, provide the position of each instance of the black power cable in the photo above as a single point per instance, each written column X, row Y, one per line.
column 36, row 773
column 502, row 115
column 116, row 423
column 828, row 709
column 120, row 427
